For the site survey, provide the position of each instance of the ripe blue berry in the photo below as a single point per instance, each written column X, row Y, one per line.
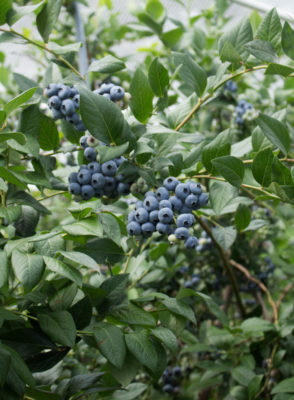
column 64, row 92
column 123, row 188
column 153, row 217
column 150, row 193
column 177, row 371
column 162, row 193
column 185, row 220
column 98, row 181
column 203, row 199
column 131, row 216
column 170, row 183
column 83, row 142
column 67, row 107
column 165, row 215
column 80, row 126
column 191, row 243
column 168, row 388
column 87, row 192
column 163, row 229
column 182, row 233
column 195, row 188
column 56, row 114
column 107, row 95
column 84, row 177
column 94, row 167
column 138, row 204
column 109, row 168
column 110, row 183
column 182, row 190
column 105, row 88
column 165, row 203
column 176, row 203
column 141, row 215
column 73, row 177
column 51, row 90
column 75, row 188
column 147, row 229
column 116, row 93
column 119, row 160
column 191, row 201
column 186, row 210
column 73, row 119
column 195, row 277
column 90, row 154
column 54, row 102
column 73, row 91
column 150, row 203
column 134, row 228
column 76, row 101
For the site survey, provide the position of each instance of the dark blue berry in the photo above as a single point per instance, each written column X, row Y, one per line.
column 153, row 217
column 73, row 177
column 109, row 168
column 123, row 188
column 90, row 154
column 165, row 215
column 139, row 204
column 147, row 228
column 64, row 92
column 117, row 93
column 163, row 229
column 94, row 167
column 170, row 183
column 51, row 90
column 105, row 88
column 182, row 233
column 150, row 203
column 84, row 177
column 195, row 188
column 83, row 142
column 185, row 220
column 176, row 203
column 110, row 183
column 73, row 119
column 141, row 215
column 54, row 102
column 182, row 190
column 162, row 193
column 191, row 243
column 80, row 126
column 75, row 188
column 134, row 228
column 168, row 388
column 87, row 192
column 67, row 107
column 56, row 114
column 191, row 201
column 165, row 204
column 203, row 199
column 76, row 101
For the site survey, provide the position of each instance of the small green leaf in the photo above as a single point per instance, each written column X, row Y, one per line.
column 4, row 270
column 19, row 100
column 19, row 137
column 262, row 50
column 231, row 168
column 81, row 259
column 270, row 29
column 166, row 336
column 59, row 326
column 288, row 40
column 254, row 386
column 110, row 226
column 225, row 236
column 220, row 195
column 87, row 227
column 242, row 216
column 229, row 53
column 180, row 308
column 142, row 96
column 171, row 37
column 278, row 69
column 6, row 5
column 262, row 167
column 275, row 131
column 47, row 18
column 107, row 65
column 18, row 12
column 107, row 153
column 5, row 364
column 219, row 146
column 63, row 269
column 28, row 268
column 242, row 375
column 19, row 366
column 285, row 386
column 158, row 77
column 103, row 251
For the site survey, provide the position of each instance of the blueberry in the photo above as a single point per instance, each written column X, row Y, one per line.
column 168, row 388
column 51, row 90
column 131, row 216
column 74, row 188
column 83, row 142
column 188, row 285
column 138, row 204
column 162, row 193
column 249, row 106
column 94, row 167
column 165, row 215
column 141, row 215
column 99, row 193
column 182, row 190
column 87, row 192
column 73, row 177
column 80, row 126
column 64, row 93
column 153, row 217
column 110, row 183
column 76, row 101
column 67, row 107
column 176, row 203
column 191, row 201
column 150, row 203
column 185, row 220
column 239, row 111
column 203, row 199
column 191, row 243
column 84, row 177
column 195, row 188
column 182, row 233
column 195, row 279
column 116, row 93
column 134, row 228
column 56, row 114
column 123, row 188
column 170, row 183
column 119, row 160
column 165, row 204
column 105, row 88
column 92, row 142
column 200, row 248
column 147, row 229
column 90, row 154
column 73, row 91
column 109, row 168
column 107, row 95
column 163, row 228
column 150, row 193
column 186, row 210
column 262, row 276
column 73, row 119
column 242, row 103
column 54, row 102
column 231, row 86
column 177, row 371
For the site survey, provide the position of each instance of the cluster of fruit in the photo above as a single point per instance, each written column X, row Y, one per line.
column 243, row 111
column 95, row 179
column 156, row 212
column 171, row 379
column 189, row 283
column 64, row 102
column 112, row 92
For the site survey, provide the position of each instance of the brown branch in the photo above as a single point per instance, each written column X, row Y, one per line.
column 283, row 294
column 261, row 302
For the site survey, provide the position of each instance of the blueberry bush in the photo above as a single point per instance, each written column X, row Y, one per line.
column 146, row 220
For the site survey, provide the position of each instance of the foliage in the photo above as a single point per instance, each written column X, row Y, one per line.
column 88, row 312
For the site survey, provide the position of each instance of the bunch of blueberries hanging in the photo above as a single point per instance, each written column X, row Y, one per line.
column 168, row 211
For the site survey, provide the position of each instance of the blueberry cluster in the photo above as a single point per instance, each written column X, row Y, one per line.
column 64, row 102
column 172, row 379
column 241, row 111
column 193, row 282
column 231, row 86
column 111, row 91
column 95, row 179
column 157, row 211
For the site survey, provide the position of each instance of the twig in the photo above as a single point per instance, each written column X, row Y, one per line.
column 128, row 261
column 260, row 300
column 283, row 294
column 52, row 195
column 261, row 285
column 270, row 367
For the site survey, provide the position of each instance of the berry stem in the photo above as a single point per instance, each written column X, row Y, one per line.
column 52, row 195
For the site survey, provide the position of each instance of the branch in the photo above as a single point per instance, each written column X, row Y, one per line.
column 260, row 300
column 261, row 285
column 283, row 294
column 52, row 195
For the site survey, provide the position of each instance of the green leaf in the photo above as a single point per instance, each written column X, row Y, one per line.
column 142, row 96
column 225, row 236
column 255, row 225
column 166, row 336
column 262, row 167
column 107, row 65
column 6, row 5
column 48, row 133
column 63, row 299
column 150, row 22
column 19, row 137
column 9, row 176
column 191, row 73
column 107, row 153
column 23, row 198
column 131, row 392
column 4, row 268
column 18, row 12
column 19, row 100
column 59, row 326
column 262, row 50
column 220, row 146
column 28, row 268
column 242, row 375
column 47, row 18
column 63, row 269
column 278, row 69
column 110, row 226
column 101, row 116
column 81, row 259
column 23, row 82
column 229, row 53
column 238, row 36
column 111, row 343
column 231, row 168
column 170, row 38
column 69, row 48
column 103, row 251
column 254, row 386
column 288, row 40
column 158, row 77
column 242, row 216
column 180, row 308
column 19, row 366
column 134, row 315
column 87, row 227
column 128, row 371
column 270, row 29
column 285, row 386
column 255, row 20
column 254, row 324
column 275, row 131
column 5, row 364
column 220, row 195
